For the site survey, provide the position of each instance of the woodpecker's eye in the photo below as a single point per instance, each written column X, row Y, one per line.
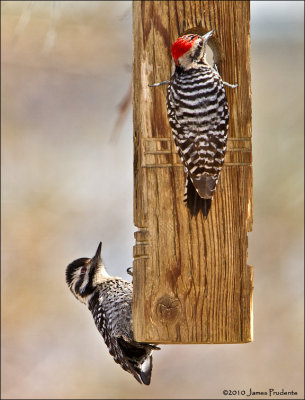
column 83, row 270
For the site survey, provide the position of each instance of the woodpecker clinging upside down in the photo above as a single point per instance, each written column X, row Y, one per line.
column 198, row 113
column 109, row 300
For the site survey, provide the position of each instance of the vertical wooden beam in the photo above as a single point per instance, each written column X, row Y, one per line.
column 191, row 279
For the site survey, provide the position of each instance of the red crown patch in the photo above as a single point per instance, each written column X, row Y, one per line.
column 182, row 45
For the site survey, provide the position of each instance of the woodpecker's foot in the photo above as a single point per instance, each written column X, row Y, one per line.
column 129, row 271
column 230, row 85
column 159, row 84
column 225, row 83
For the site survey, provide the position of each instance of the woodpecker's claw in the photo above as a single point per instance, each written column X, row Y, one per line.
column 129, row 271
column 159, row 84
column 230, row 85
column 225, row 83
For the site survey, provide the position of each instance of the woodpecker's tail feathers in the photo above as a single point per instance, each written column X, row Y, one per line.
column 205, row 185
column 145, row 372
column 194, row 202
column 137, row 358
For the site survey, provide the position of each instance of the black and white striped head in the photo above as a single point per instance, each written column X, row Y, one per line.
column 189, row 51
column 83, row 275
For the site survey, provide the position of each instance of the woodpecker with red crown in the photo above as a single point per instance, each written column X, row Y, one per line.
column 198, row 113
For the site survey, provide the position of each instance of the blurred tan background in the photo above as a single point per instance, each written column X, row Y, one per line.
column 67, row 184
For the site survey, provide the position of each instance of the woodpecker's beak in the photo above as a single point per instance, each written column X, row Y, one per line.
column 207, row 36
column 97, row 257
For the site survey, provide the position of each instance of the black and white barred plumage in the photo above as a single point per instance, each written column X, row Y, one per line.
column 109, row 299
column 198, row 113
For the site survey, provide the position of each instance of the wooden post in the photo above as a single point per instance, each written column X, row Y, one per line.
column 191, row 280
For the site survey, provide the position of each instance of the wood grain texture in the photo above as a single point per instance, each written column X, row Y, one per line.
column 191, row 280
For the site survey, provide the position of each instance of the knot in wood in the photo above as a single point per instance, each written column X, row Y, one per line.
column 167, row 309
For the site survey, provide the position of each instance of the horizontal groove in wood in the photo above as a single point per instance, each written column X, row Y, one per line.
column 169, row 152
column 141, row 235
column 140, row 257
column 164, row 154
column 140, row 250
column 226, row 164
